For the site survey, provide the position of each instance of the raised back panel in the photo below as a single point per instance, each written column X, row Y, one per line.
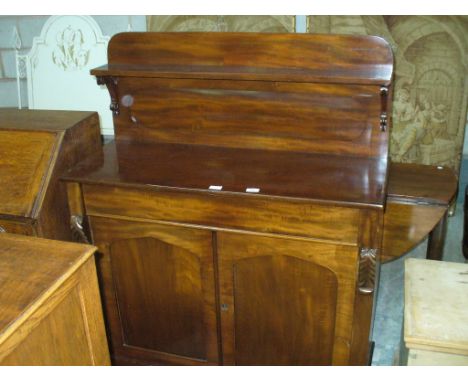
column 303, row 117
column 292, row 92
column 345, row 58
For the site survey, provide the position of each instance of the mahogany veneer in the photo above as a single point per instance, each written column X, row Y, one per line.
column 418, row 200
column 285, row 275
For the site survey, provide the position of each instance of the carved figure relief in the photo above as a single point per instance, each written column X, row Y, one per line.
column 272, row 24
column 70, row 52
column 431, row 81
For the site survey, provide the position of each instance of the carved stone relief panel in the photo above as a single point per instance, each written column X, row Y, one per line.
column 431, row 81
column 271, row 24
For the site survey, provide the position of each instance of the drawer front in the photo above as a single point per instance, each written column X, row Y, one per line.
column 19, row 228
column 219, row 210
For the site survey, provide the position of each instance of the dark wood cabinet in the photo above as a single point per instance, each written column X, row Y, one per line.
column 164, row 290
column 291, row 298
column 239, row 211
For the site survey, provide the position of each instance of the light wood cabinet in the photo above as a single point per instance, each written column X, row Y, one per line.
column 37, row 146
column 435, row 331
column 50, row 310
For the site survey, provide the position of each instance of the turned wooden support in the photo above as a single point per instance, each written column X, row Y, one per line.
column 465, row 225
column 435, row 244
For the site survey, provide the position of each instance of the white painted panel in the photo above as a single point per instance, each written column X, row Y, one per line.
column 58, row 68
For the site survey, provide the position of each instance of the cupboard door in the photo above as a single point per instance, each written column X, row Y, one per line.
column 285, row 301
column 163, row 285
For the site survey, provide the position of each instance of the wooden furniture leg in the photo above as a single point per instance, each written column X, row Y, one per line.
column 435, row 244
column 465, row 225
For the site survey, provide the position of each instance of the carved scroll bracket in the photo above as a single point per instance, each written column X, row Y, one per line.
column 383, row 108
column 111, row 83
column 78, row 233
column 367, row 263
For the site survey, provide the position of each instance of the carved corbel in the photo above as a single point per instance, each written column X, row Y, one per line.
column 78, row 232
column 367, row 264
column 383, row 108
column 111, row 84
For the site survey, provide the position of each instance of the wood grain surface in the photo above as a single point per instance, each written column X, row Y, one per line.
column 353, row 59
column 37, row 146
column 164, row 297
column 337, row 180
column 50, row 311
column 435, row 318
column 272, row 318
column 24, row 170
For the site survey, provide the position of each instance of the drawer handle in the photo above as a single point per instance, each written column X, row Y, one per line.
column 2, row 230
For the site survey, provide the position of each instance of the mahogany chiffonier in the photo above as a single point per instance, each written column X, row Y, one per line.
column 36, row 147
column 50, row 311
column 238, row 214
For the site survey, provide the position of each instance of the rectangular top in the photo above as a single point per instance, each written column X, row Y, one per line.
column 40, row 120
column 436, row 312
column 317, row 177
column 30, row 270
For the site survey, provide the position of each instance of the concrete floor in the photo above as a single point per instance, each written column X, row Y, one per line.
column 388, row 321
